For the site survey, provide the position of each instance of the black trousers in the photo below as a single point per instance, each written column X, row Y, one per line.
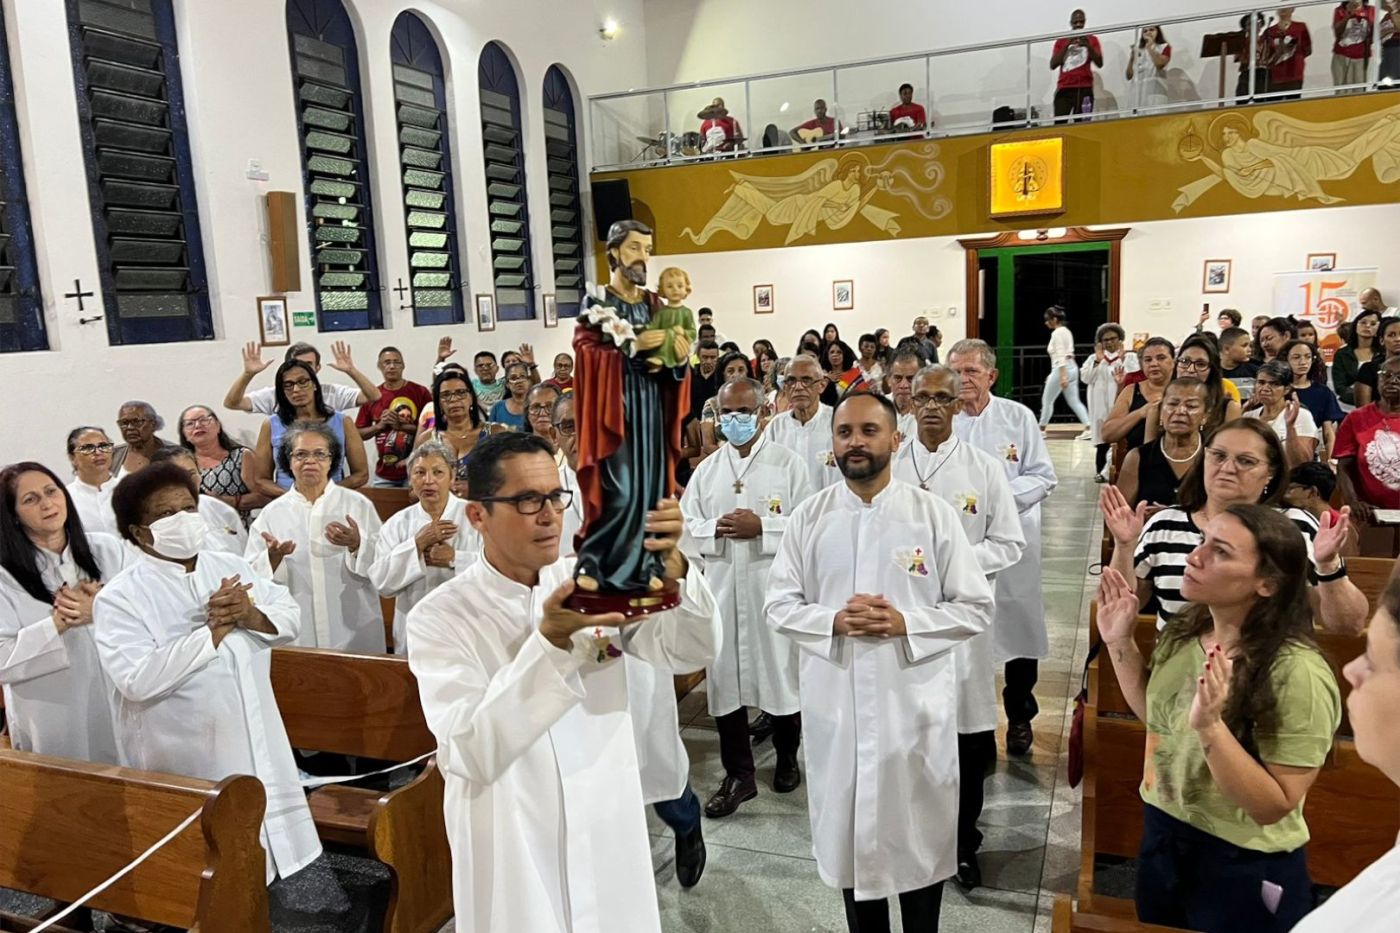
column 1189, row 878
column 735, row 749
column 1071, row 100
column 977, row 753
column 918, row 909
column 1018, row 695
column 1101, row 452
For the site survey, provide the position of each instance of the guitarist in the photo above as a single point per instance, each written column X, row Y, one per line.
column 820, row 129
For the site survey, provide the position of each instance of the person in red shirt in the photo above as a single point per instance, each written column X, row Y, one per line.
column 392, row 419
column 908, row 111
column 806, row 132
column 1368, row 449
column 563, row 378
column 1353, row 26
column 1288, row 44
column 726, row 130
column 1075, row 57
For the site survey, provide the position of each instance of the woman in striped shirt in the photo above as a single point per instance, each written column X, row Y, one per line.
column 1244, row 464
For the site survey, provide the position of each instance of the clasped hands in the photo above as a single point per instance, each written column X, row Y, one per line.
column 72, row 606
column 434, row 543
column 869, row 616
column 230, row 607
column 740, row 523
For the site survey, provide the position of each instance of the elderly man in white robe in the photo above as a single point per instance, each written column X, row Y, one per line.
column 529, row 703
column 877, row 584
column 319, row 540
column 736, row 507
column 904, row 366
column 805, row 428
column 425, row 545
column 185, row 634
column 1010, row 432
column 226, row 531
column 975, row 486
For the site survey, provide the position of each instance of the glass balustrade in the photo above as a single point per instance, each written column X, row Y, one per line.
column 1237, row 56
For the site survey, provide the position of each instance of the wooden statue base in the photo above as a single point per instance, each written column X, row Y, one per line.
column 633, row 604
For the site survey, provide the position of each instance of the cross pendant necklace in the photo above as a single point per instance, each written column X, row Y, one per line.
column 925, row 480
column 738, row 485
column 739, row 476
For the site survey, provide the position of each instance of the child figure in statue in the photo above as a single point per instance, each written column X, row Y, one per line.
column 674, row 318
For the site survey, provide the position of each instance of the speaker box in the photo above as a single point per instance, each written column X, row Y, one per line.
column 282, row 239
column 612, row 201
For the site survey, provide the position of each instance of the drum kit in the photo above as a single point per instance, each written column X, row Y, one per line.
column 690, row 144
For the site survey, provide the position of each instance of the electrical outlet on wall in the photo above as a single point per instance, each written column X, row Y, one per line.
column 255, row 171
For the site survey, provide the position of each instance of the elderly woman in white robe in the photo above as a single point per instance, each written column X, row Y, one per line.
column 426, row 544
column 185, row 635
column 56, row 696
column 319, row 541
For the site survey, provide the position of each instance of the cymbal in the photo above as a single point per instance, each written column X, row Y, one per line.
column 712, row 112
column 658, row 140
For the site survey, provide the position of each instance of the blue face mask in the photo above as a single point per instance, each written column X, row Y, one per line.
column 738, row 428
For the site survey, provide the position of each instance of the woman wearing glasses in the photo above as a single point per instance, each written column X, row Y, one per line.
column 457, row 422
column 220, row 460
column 1275, row 404
column 138, row 422
column 1199, row 359
column 298, row 394
column 1244, row 465
column 1153, row 472
column 90, row 453
column 319, row 541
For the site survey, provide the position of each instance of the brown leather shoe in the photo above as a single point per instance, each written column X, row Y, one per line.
column 1019, row 739
column 731, row 793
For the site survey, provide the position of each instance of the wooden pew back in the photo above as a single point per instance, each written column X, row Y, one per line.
column 1066, row 919
column 66, row 826
column 387, row 501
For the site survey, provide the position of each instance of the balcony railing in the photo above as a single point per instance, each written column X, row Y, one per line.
column 1216, row 60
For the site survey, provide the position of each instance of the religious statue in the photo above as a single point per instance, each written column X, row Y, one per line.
column 674, row 320
column 629, row 433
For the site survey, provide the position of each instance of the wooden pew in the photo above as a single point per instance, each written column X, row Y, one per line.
column 368, row 706
column 1066, row 919
column 66, row 826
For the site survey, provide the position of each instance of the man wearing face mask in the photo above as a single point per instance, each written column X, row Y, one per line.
column 736, row 507
column 184, row 640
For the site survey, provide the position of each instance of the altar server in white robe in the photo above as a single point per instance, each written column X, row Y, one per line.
column 90, row 453
column 529, row 704
column 57, row 699
column 1010, row 432
column 226, row 531
column 877, row 584
column 651, row 693
column 186, row 635
column 319, row 540
column 904, row 366
column 425, row 545
column 975, row 486
column 736, row 507
column 805, row 428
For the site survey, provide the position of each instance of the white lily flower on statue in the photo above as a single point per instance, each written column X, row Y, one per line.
column 620, row 331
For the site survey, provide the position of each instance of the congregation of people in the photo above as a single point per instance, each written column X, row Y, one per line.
column 857, row 541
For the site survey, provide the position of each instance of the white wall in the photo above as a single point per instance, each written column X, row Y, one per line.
column 237, row 79
column 897, row 280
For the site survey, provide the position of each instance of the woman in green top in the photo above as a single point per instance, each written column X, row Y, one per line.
column 1240, row 708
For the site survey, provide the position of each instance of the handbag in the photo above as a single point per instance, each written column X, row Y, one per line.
column 1076, row 729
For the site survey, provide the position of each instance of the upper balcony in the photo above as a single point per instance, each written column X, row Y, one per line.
column 1217, row 60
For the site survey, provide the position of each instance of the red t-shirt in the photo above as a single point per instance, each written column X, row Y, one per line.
column 394, row 446
column 1355, row 40
column 1288, row 47
column 728, row 124
column 827, row 125
column 564, row 385
column 914, row 112
column 1076, row 68
column 1374, row 440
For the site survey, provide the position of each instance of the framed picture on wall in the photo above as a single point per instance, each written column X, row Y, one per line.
column 273, row 322
column 1322, row 262
column 1215, row 279
column 763, row 299
column 843, row 295
column 485, row 312
column 551, row 311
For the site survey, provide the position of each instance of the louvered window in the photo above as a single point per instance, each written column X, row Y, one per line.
column 425, row 160
column 505, row 186
column 335, row 160
column 565, row 207
column 21, row 308
column 144, row 213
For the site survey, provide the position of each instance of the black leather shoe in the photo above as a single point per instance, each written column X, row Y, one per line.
column 731, row 793
column 1019, row 739
column 761, row 728
column 787, row 777
column 690, row 858
column 969, row 874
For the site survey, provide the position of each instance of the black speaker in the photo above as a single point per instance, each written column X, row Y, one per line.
column 612, row 201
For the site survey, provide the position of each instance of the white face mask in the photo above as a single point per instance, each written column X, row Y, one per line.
column 178, row 536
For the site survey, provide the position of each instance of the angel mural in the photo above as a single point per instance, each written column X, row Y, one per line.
column 1280, row 156
column 831, row 193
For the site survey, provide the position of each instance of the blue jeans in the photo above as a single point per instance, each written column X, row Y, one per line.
column 681, row 814
column 1071, row 394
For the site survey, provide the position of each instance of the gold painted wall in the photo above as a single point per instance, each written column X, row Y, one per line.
column 1290, row 156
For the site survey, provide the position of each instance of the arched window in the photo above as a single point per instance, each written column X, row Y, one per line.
column 335, row 162
column 420, row 98
column 565, row 208
column 21, row 306
column 505, row 185
column 145, row 217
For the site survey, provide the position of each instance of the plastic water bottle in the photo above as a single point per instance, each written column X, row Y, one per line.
column 1086, row 105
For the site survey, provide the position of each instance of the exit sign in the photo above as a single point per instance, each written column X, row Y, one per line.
column 303, row 318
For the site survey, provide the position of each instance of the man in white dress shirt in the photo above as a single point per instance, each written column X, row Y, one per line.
column 975, row 485
column 736, row 507
column 1010, row 433
column 805, row 428
column 529, row 703
column 876, row 583
column 341, row 398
